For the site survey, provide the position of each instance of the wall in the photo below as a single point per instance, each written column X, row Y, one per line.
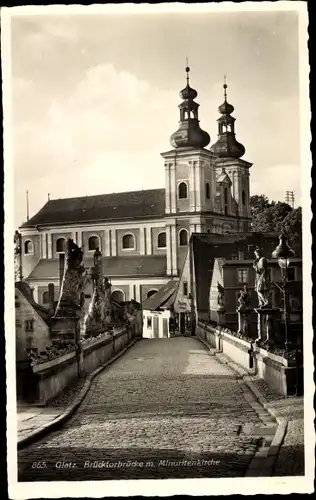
column 278, row 372
column 39, row 338
column 53, row 376
column 29, row 261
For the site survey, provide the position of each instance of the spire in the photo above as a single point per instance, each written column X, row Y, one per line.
column 189, row 133
column 227, row 146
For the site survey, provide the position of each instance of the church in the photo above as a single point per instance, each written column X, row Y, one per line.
column 144, row 235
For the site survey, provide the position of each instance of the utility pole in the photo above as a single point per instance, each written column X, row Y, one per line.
column 290, row 198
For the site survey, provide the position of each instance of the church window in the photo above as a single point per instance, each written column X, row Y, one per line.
column 94, row 243
column 162, row 242
column 118, row 295
column 183, row 237
column 226, row 209
column 128, row 242
column 183, row 190
column 243, row 198
column 225, row 195
column 242, row 276
column 185, row 289
column 151, row 292
column 207, row 190
column 149, row 322
column 28, row 247
column 61, row 245
column 45, row 298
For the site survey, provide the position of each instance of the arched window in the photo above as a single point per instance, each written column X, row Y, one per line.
column 207, row 191
column 183, row 190
column 225, row 195
column 243, row 198
column 61, row 245
column 45, row 298
column 183, row 237
column 128, row 241
column 94, row 243
column 162, row 240
column 118, row 295
column 28, row 247
column 151, row 292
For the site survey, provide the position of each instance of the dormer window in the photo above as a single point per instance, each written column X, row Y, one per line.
column 183, row 190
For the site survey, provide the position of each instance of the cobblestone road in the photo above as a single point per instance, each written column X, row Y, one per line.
column 164, row 403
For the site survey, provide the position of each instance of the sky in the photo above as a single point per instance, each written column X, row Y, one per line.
column 95, row 98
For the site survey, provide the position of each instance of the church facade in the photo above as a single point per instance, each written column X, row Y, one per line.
column 143, row 235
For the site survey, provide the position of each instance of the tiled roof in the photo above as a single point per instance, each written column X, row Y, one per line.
column 138, row 265
column 25, row 289
column 162, row 298
column 116, row 206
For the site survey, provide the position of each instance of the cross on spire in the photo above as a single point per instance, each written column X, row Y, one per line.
column 225, row 87
column 187, row 69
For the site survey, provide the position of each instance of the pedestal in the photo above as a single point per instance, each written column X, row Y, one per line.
column 65, row 330
column 221, row 316
column 243, row 326
column 267, row 324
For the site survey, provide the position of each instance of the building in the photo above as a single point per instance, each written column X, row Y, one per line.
column 226, row 260
column 158, row 312
column 32, row 322
column 144, row 235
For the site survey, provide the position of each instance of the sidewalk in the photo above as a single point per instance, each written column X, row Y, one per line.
column 32, row 417
column 290, row 460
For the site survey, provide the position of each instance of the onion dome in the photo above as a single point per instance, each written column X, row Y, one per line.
column 227, row 146
column 189, row 133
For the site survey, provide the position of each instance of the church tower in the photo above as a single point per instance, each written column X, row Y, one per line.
column 190, row 180
column 229, row 152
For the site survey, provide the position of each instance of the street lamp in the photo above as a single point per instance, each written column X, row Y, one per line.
column 283, row 253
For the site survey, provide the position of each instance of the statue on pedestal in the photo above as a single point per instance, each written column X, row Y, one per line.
column 71, row 295
column 243, row 299
column 262, row 284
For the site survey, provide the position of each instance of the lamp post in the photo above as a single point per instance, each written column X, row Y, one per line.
column 283, row 253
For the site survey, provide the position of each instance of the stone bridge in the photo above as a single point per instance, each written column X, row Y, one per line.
column 165, row 409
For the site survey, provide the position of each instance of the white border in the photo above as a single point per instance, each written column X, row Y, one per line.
column 162, row 487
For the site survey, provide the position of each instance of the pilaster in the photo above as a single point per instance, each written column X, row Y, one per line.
column 113, row 242
column 49, row 246
column 148, row 241
column 107, row 243
column 142, row 241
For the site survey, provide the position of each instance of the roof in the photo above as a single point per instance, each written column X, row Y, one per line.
column 25, row 289
column 162, row 299
column 138, row 265
column 115, row 206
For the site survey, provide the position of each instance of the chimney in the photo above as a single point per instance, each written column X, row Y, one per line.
column 61, row 268
column 51, row 297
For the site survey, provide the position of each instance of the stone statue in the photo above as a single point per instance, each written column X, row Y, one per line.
column 71, row 295
column 262, row 283
column 244, row 298
column 220, row 295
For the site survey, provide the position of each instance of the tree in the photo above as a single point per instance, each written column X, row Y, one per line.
column 276, row 217
column 291, row 225
column 258, row 203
